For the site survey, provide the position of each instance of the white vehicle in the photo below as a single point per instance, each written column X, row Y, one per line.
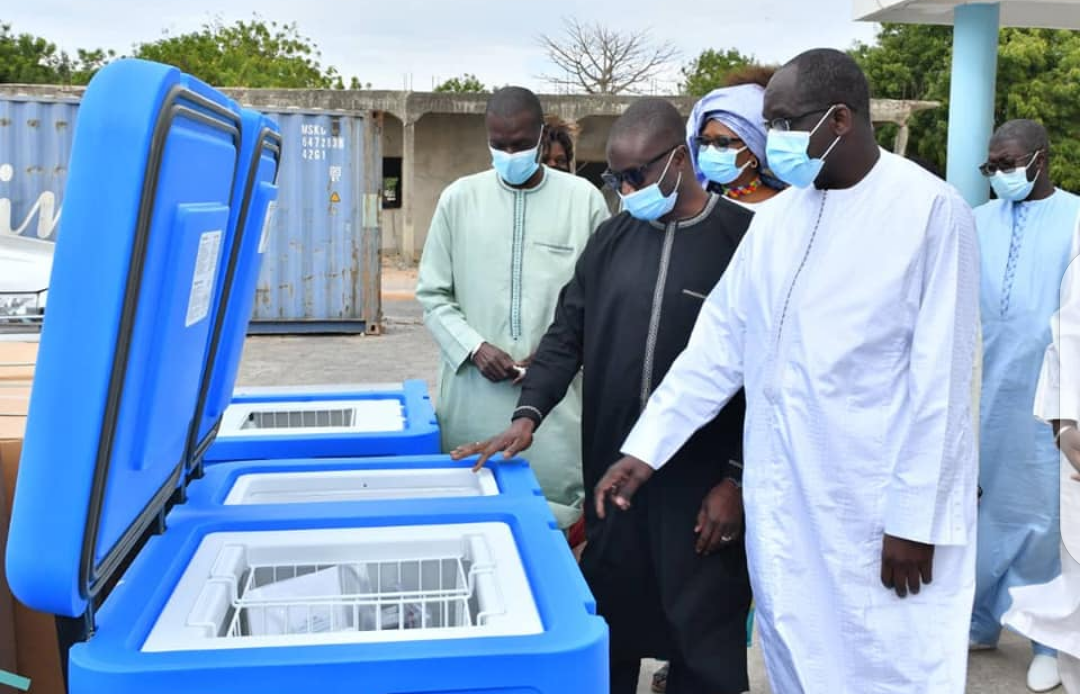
column 25, row 266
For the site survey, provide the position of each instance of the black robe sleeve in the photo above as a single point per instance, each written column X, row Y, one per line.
column 559, row 357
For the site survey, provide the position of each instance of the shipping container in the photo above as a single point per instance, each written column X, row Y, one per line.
column 321, row 268
column 320, row 272
column 35, row 144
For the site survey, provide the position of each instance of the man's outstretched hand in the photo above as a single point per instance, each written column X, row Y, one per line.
column 511, row 442
column 906, row 565
column 620, row 482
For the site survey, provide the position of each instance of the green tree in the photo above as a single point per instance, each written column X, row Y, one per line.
column 709, row 70
column 1038, row 78
column 255, row 53
column 466, row 84
column 29, row 59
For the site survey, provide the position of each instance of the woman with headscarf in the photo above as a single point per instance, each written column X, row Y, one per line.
column 726, row 136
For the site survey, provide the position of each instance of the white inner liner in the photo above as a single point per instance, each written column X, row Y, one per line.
column 380, row 415
column 343, row 586
column 269, row 392
column 359, row 485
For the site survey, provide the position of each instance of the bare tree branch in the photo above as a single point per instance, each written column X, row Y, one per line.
column 601, row 60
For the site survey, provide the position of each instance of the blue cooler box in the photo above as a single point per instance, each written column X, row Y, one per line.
column 396, row 595
column 383, row 598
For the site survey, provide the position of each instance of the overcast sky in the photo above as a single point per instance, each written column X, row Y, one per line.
column 381, row 42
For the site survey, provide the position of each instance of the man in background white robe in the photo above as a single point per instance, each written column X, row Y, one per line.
column 1050, row 613
column 850, row 316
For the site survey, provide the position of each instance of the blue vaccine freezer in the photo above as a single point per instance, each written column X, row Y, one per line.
column 323, row 421
column 383, row 599
column 405, row 595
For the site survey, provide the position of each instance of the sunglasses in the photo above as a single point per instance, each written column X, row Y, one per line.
column 989, row 168
column 634, row 177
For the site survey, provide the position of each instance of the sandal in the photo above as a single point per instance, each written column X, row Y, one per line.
column 659, row 679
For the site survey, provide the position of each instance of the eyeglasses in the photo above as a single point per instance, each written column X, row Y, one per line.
column 990, row 168
column 635, row 177
column 785, row 124
column 719, row 142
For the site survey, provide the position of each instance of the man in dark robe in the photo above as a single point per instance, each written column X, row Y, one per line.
column 669, row 577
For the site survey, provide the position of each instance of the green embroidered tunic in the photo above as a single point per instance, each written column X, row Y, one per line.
column 494, row 263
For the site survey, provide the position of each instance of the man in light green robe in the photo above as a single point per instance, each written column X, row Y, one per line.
column 501, row 246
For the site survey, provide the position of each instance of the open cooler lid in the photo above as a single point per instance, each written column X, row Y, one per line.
column 146, row 219
column 253, row 204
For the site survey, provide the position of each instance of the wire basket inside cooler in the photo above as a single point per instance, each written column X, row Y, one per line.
column 376, row 415
column 342, row 586
column 323, row 486
column 432, row 593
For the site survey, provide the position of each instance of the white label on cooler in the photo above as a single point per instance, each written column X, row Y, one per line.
column 267, row 221
column 202, row 284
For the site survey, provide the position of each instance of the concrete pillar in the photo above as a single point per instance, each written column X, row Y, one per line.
column 971, row 96
column 575, row 130
column 902, row 138
column 409, row 251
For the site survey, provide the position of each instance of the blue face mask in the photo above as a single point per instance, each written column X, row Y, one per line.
column 718, row 165
column 518, row 167
column 1015, row 186
column 789, row 158
column 650, row 203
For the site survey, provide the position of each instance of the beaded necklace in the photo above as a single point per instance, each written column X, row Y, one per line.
column 743, row 191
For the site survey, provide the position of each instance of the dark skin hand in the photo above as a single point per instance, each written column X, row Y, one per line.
column 619, row 484
column 906, row 565
column 1068, row 442
column 719, row 521
column 495, row 364
column 514, row 440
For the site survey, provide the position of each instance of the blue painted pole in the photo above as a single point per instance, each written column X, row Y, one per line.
column 971, row 97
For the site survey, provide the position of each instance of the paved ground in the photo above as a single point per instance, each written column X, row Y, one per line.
column 407, row 351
